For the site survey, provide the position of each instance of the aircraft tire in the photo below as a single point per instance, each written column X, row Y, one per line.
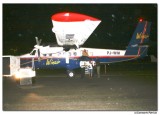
column 70, row 73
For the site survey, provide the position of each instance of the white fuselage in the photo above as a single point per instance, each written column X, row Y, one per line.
column 58, row 52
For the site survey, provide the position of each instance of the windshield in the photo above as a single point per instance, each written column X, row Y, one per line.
column 33, row 52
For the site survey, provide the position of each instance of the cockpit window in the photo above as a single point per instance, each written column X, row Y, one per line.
column 33, row 52
column 44, row 54
column 50, row 54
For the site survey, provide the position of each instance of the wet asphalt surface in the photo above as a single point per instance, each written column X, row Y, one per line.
column 124, row 88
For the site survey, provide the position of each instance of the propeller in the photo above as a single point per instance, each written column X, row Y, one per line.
column 38, row 41
column 38, row 47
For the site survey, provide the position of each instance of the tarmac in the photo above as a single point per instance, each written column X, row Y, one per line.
column 125, row 87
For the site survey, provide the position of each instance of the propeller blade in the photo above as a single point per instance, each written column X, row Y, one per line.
column 38, row 44
column 38, row 41
column 39, row 58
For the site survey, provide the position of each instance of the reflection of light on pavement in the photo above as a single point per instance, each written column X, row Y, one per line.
column 33, row 97
column 31, row 86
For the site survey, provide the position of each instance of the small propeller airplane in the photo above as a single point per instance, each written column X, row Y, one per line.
column 71, row 31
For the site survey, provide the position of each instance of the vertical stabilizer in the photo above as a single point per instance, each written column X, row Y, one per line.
column 138, row 44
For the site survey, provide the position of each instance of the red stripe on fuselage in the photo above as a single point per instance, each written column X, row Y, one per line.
column 42, row 58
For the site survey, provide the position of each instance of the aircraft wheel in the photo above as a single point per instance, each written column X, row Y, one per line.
column 70, row 74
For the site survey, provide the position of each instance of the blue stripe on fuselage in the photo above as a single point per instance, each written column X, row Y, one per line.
column 50, row 63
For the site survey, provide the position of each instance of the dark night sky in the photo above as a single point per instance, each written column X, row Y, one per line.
column 22, row 22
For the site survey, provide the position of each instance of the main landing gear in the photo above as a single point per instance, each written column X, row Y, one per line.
column 70, row 73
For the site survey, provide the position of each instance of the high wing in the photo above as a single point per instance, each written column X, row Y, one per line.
column 73, row 29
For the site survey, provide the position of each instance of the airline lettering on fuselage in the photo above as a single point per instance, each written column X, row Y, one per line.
column 52, row 62
column 113, row 52
column 142, row 36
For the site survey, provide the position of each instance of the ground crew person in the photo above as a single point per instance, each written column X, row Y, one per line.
column 84, row 57
column 90, row 70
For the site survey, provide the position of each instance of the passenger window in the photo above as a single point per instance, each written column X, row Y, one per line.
column 75, row 53
column 50, row 54
column 59, row 53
